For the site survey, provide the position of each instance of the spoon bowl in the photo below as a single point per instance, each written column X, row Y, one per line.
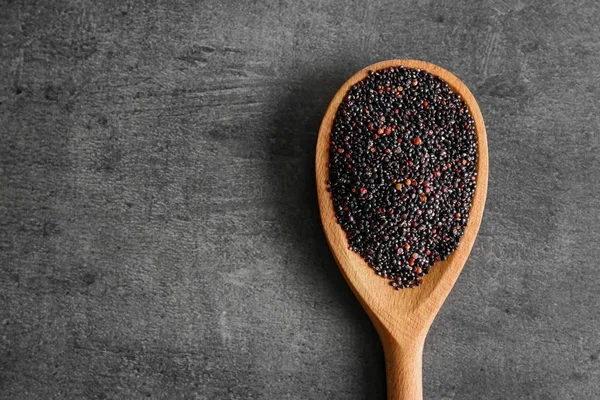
column 402, row 318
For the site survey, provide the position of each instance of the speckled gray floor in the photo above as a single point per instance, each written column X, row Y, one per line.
column 159, row 234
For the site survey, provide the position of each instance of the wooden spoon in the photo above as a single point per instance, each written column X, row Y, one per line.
column 402, row 318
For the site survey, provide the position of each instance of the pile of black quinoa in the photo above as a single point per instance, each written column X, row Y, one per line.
column 402, row 171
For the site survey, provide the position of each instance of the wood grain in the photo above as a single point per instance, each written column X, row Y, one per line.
column 402, row 318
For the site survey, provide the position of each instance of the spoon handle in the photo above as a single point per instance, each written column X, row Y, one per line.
column 404, row 365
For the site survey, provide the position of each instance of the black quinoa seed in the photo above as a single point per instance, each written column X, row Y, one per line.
column 402, row 171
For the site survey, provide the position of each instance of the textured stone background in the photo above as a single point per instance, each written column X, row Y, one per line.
column 159, row 234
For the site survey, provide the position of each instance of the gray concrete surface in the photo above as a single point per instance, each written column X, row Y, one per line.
column 159, row 234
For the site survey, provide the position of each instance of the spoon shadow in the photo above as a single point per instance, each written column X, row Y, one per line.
column 292, row 154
